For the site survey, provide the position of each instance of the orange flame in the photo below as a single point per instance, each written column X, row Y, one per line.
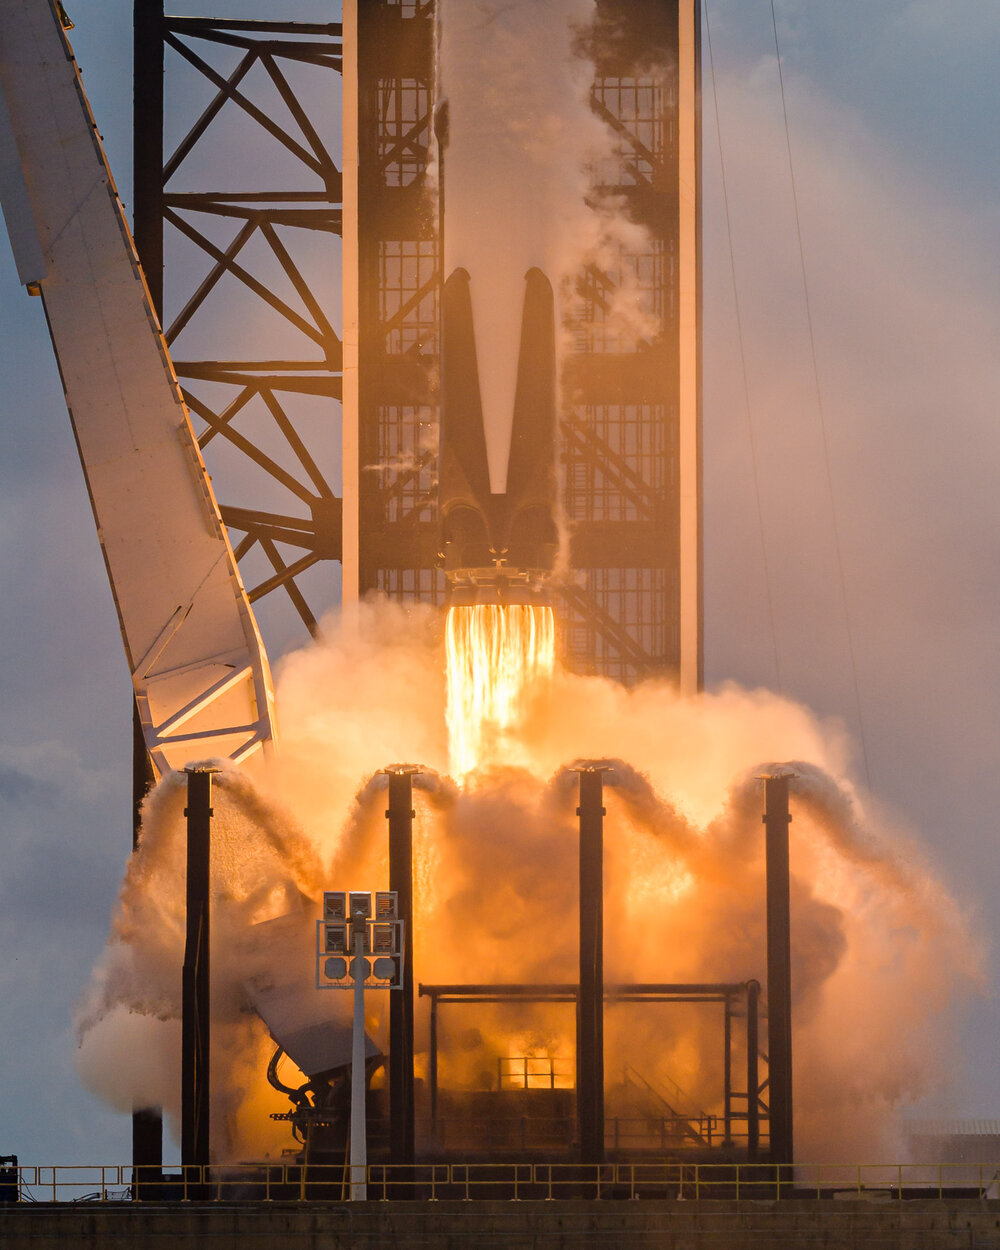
column 499, row 659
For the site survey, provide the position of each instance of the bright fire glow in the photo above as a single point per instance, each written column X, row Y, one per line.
column 499, row 658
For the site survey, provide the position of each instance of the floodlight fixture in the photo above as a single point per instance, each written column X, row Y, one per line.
column 386, row 905
column 347, row 917
column 385, row 938
column 361, row 904
column 334, row 905
column 335, row 939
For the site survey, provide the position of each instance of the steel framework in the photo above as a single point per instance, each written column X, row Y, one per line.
column 629, row 454
column 251, row 269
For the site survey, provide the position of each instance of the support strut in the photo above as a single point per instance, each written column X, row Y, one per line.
column 401, row 1112
column 753, row 1074
column 590, row 1010
column 196, row 1007
column 779, row 968
column 147, row 1122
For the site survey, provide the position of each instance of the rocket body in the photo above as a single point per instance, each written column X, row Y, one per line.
column 499, row 546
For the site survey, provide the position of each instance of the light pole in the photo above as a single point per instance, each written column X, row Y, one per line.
column 348, row 928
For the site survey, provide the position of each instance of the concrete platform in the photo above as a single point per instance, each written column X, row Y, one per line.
column 922, row 1224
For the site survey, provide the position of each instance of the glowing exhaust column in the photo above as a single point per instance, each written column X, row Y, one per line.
column 500, row 656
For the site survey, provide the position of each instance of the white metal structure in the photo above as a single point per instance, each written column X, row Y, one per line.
column 198, row 665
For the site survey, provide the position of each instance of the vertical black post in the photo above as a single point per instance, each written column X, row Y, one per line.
column 147, row 143
column 753, row 1075
column 590, row 1009
column 727, row 1067
column 779, row 972
column 147, row 1122
column 401, row 1111
column 196, row 1010
column 147, row 230
column 434, row 1066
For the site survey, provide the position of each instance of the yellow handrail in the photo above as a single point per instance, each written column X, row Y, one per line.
column 475, row 1179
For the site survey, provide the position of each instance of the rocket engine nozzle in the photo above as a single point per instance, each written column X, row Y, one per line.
column 498, row 585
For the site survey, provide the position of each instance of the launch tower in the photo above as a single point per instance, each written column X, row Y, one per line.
column 628, row 456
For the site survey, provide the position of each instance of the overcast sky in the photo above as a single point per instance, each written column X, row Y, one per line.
column 893, row 111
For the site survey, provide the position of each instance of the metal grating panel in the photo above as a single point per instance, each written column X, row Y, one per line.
column 398, row 261
column 620, row 431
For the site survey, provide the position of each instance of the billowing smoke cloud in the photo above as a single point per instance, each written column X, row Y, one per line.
column 880, row 951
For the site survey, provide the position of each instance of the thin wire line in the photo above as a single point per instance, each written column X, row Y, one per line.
column 743, row 360
column 822, row 415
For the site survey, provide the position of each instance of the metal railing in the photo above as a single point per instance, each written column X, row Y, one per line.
column 288, row 1181
column 537, row 1133
column 535, row 1072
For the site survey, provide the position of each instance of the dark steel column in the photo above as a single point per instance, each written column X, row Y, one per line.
column 196, row 1009
column 434, row 1066
column 590, row 1007
column 147, row 229
column 753, row 1074
column 147, row 1122
column 401, row 1112
column 147, row 143
column 727, row 1066
column 779, row 971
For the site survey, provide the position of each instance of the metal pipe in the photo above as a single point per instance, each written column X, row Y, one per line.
column 196, row 1006
column 147, row 1122
column 590, row 1014
column 753, row 1074
column 727, row 1068
column 359, row 1117
column 434, row 1065
column 706, row 991
column 779, row 968
column 400, row 815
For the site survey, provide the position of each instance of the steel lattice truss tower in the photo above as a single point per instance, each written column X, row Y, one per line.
column 333, row 237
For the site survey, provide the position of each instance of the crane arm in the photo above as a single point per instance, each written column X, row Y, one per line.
column 198, row 664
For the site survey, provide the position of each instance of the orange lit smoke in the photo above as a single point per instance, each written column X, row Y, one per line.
column 881, row 954
column 499, row 659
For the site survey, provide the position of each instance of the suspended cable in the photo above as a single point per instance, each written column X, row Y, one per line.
column 820, row 411
column 743, row 361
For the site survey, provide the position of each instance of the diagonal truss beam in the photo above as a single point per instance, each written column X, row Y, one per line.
column 227, row 263
column 229, row 91
column 595, row 614
column 600, row 456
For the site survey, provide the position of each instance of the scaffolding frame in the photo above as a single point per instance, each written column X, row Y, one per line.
column 629, row 454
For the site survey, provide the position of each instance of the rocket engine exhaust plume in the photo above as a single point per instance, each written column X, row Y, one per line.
column 500, row 658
